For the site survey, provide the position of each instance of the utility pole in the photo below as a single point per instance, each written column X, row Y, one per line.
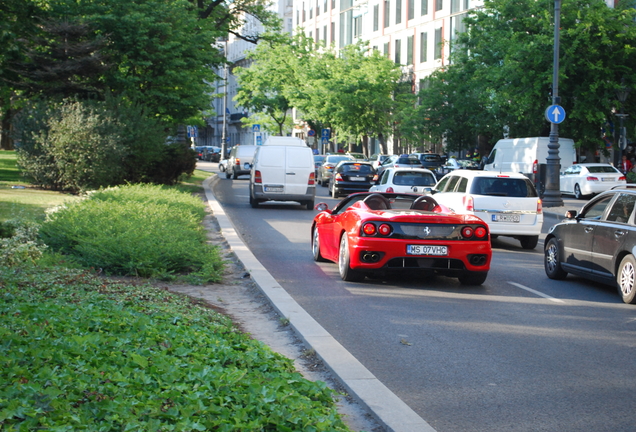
column 224, row 129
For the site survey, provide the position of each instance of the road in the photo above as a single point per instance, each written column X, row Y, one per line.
column 520, row 353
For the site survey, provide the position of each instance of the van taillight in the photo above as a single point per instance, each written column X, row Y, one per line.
column 257, row 177
column 469, row 204
column 539, row 207
column 238, row 161
column 535, row 166
column 312, row 179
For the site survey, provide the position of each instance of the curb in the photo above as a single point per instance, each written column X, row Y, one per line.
column 386, row 407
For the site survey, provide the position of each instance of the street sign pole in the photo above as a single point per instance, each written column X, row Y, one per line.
column 552, row 195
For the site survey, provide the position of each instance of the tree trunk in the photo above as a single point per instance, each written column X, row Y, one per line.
column 6, row 142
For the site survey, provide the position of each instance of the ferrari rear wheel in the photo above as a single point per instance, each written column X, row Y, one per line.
column 346, row 272
column 315, row 246
column 473, row 278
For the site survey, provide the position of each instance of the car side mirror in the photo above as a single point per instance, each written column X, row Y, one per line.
column 570, row 214
column 321, row 206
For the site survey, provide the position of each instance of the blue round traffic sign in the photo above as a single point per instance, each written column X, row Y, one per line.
column 555, row 114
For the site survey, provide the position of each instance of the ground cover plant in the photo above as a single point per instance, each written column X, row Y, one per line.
column 80, row 352
column 136, row 230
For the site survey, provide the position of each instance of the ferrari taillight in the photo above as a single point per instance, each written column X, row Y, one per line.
column 481, row 232
column 385, row 229
column 369, row 229
column 467, row 232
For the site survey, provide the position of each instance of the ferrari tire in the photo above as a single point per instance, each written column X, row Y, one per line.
column 626, row 279
column 346, row 272
column 529, row 242
column 315, row 246
column 473, row 278
column 552, row 261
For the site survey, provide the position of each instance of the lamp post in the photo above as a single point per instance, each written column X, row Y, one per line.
column 621, row 94
column 552, row 195
column 224, row 128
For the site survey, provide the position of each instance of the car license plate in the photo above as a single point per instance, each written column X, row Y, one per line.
column 608, row 179
column 426, row 250
column 506, row 218
column 273, row 188
column 356, row 178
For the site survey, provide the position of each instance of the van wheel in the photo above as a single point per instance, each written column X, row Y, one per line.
column 253, row 202
column 309, row 204
column 234, row 175
column 228, row 175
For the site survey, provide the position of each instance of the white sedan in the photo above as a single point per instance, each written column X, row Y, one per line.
column 585, row 179
column 401, row 180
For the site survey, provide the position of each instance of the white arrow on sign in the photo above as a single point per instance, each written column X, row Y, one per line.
column 555, row 114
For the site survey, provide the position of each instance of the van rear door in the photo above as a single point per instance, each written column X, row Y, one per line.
column 272, row 164
column 299, row 165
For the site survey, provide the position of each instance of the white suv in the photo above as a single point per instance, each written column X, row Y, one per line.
column 507, row 202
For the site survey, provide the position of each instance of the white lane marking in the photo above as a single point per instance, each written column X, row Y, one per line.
column 540, row 294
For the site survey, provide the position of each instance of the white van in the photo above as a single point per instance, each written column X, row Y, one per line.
column 525, row 155
column 240, row 161
column 283, row 170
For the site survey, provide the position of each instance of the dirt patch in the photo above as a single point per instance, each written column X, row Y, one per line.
column 238, row 297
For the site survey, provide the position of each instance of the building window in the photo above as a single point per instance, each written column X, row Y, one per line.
column 455, row 6
column 398, row 51
column 317, row 35
column 332, row 36
column 376, row 17
column 333, row 4
column 411, row 9
column 398, row 11
column 438, row 44
column 324, row 34
column 424, row 7
column 386, row 50
column 297, row 17
column 311, row 35
column 357, row 26
column 387, row 4
column 439, row 4
column 304, row 14
column 423, row 47
column 311, row 13
column 409, row 50
column 325, row 6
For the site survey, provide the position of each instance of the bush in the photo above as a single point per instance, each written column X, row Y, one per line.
column 137, row 230
column 19, row 242
column 631, row 177
column 83, row 353
column 77, row 146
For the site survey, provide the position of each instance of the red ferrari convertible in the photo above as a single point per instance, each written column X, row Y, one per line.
column 380, row 232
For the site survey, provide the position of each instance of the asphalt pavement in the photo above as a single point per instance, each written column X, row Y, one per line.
column 387, row 408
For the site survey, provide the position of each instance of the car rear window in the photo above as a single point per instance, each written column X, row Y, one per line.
column 503, row 186
column 413, row 179
column 362, row 168
column 601, row 169
column 408, row 161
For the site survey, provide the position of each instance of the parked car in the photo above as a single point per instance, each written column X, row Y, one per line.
column 598, row 243
column 405, row 180
column 377, row 159
column 397, row 161
column 211, row 153
column 357, row 156
column 351, row 176
column 326, row 169
column 240, row 161
column 375, row 233
column 453, row 164
column 430, row 161
column 222, row 165
column 318, row 160
column 507, row 202
column 585, row 179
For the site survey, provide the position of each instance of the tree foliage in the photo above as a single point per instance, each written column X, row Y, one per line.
column 502, row 68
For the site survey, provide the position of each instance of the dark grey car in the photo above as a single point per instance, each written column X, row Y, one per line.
column 598, row 243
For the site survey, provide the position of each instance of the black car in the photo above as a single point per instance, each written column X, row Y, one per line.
column 351, row 176
column 598, row 243
column 430, row 161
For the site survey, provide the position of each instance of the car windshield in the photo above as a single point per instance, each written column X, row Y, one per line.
column 503, row 186
column 355, row 167
column 336, row 159
column 601, row 169
column 413, row 179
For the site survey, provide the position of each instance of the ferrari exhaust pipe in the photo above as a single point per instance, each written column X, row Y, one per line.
column 370, row 257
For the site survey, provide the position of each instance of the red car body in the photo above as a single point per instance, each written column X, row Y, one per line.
column 380, row 232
